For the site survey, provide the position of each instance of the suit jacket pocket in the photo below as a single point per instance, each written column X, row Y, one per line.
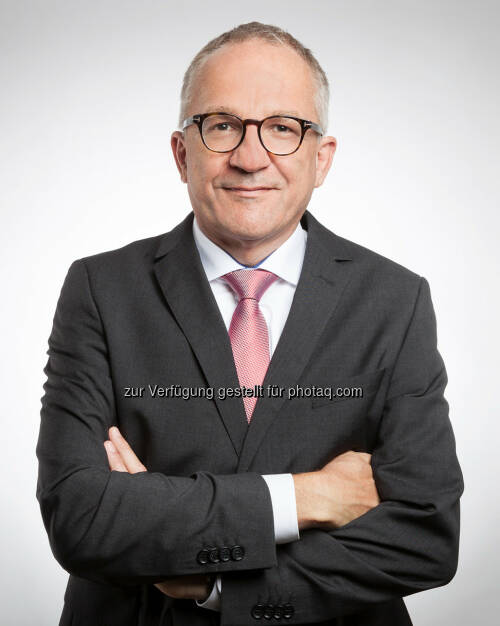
column 352, row 389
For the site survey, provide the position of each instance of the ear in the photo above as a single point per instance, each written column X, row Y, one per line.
column 324, row 156
column 179, row 150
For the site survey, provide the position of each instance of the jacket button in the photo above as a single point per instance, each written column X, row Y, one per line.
column 257, row 611
column 224, row 554
column 213, row 555
column 237, row 553
column 202, row 557
column 268, row 611
column 288, row 611
column 278, row 611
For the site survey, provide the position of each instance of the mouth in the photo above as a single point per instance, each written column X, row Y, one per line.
column 248, row 192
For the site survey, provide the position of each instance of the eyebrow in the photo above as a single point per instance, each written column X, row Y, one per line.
column 226, row 109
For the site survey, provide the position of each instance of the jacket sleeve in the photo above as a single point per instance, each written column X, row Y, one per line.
column 406, row 544
column 119, row 528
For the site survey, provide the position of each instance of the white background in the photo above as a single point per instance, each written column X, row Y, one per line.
column 89, row 95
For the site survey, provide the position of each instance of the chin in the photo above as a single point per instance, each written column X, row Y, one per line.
column 246, row 225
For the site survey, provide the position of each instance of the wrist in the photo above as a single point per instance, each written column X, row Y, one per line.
column 305, row 499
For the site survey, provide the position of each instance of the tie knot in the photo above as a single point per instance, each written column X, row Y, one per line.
column 250, row 283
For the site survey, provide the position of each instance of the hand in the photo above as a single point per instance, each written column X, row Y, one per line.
column 122, row 458
column 191, row 586
column 341, row 491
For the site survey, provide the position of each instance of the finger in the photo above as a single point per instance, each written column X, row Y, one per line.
column 114, row 459
column 128, row 456
column 191, row 587
column 172, row 589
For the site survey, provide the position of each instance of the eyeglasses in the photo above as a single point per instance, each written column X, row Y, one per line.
column 224, row 132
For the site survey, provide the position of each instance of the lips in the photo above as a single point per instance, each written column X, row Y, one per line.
column 248, row 188
column 248, row 192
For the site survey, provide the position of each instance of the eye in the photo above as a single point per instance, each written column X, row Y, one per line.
column 221, row 127
column 282, row 129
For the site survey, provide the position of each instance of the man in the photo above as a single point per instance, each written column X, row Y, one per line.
column 238, row 486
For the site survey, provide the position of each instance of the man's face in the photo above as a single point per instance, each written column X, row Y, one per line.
column 252, row 79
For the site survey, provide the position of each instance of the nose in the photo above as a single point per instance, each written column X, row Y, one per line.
column 250, row 155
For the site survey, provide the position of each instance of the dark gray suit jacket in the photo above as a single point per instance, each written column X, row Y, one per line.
column 145, row 315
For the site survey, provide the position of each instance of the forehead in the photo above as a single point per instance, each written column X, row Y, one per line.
column 254, row 79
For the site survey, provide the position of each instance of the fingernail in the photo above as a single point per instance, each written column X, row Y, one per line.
column 109, row 446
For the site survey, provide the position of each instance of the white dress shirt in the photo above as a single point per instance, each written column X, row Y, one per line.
column 286, row 262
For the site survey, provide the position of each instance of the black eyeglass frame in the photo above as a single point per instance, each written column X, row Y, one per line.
column 199, row 118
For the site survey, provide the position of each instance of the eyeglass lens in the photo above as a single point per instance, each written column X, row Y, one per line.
column 280, row 135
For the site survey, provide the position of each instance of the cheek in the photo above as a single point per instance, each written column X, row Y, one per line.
column 300, row 176
column 201, row 172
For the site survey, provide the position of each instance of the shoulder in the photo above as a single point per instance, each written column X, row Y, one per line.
column 376, row 278
column 135, row 253
column 109, row 273
column 376, row 263
column 368, row 259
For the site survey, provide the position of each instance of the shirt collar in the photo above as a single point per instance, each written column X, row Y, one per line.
column 286, row 261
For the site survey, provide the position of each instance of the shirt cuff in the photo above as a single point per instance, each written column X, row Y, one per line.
column 213, row 600
column 282, row 490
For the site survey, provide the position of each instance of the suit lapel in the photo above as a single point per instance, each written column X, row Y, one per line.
column 188, row 293
column 323, row 278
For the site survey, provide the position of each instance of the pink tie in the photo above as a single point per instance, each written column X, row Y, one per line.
column 248, row 329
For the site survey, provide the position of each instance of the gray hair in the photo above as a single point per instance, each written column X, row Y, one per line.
column 270, row 34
